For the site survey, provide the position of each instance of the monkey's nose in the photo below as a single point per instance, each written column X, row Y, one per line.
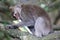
column 15, row 15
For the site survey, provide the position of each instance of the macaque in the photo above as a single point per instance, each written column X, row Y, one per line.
column 33, row 16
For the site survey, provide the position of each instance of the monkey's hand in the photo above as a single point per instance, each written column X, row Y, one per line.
column 11, row 26
column 14, row 25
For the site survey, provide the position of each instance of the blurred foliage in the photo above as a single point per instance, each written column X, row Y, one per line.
column 4, row 35
column 50, row 5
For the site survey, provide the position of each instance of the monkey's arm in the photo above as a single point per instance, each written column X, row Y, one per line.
column 14, row 26
column 20, row 24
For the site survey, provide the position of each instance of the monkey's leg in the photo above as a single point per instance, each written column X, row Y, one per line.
column 40, row 27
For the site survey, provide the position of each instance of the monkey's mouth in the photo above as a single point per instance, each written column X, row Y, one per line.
column 17, row 17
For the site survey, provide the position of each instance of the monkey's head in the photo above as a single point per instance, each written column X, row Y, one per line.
column 16, row 11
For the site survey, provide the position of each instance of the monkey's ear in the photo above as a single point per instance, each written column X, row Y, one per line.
column 22, row 5
column 11, row 7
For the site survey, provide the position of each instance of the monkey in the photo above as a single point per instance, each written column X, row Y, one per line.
column 33, row 16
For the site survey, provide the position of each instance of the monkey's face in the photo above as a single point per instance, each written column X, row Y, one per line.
column 16, row 11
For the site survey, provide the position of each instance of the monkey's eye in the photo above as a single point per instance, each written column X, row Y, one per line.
column 12, row 13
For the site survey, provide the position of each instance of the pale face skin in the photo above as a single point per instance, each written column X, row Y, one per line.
column 16, row 10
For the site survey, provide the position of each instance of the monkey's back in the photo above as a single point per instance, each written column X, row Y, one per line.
column 33, row 10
